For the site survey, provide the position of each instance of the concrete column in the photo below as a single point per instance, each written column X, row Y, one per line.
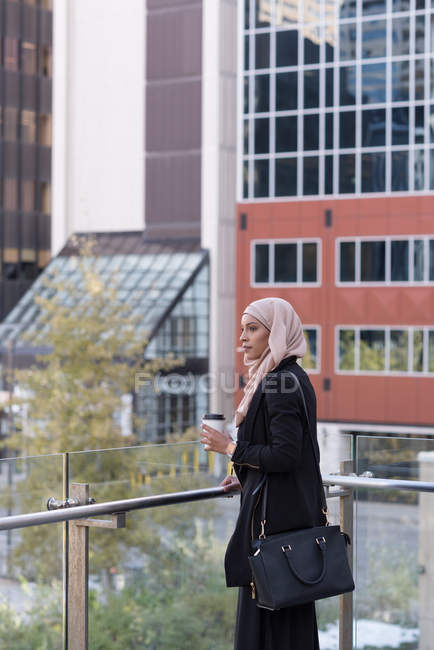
column 426, row 553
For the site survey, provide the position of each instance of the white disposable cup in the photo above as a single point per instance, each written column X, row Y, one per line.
column 214, row 420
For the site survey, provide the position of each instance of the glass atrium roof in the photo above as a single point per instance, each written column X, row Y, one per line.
column 150, row 282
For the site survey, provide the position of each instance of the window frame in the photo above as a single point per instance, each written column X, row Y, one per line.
column 271, row 243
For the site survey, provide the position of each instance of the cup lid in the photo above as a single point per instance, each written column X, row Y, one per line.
column 213, row 416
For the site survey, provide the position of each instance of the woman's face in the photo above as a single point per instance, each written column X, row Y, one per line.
column 254, row 337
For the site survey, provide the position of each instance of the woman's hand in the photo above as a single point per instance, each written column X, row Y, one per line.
column 230, row 483
column 214, row 440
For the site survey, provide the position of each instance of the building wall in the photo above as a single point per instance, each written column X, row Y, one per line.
column 380, row 397
column 98, row 117
column 25, row 149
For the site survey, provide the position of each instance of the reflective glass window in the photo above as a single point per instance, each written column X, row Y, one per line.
column 400, row 81
column 432, row 79
column 329, row 86
column 328, row 174
column 347, row 357
column 432, row 34
column 285, row 263
column 311, row 88
column 420, row 34
column 11, row 123
column 419, row 169
column 262, row 93
column 418, row 351
column 262, row 256
column 399, row 267
column 400, row 36
column 373, row 172
column 311, row 132
column 400, row 134
column 374, row 6
column 419, row 79
column 260, row 178
column 400, row 5
column 310, row 175
column 374, row 39
column 246, row 95
column 309, row 262
column 246, row 137
column 329, row 44
column 246, row 14
column 262, row 142
column 431, row 260
column 246, row 179
column 374, row 128
column 431, row 124
column 347, row 42
column 286, row 12
column 262, row 51
column 262, row 13
column 28, row 126
column 347, row 85
column 286, row 176
column 420, row 4
column 399, row 171
column 246, row 52
column 10, row 51
column 418, row 260
column 419, row 124
column 286, row 91
column 310, row 360
column 28, row 58
column 348, row 9
column 347, row 129
column 286, row 48
column 329, row 130
column 373, row 83
column 286, row 133
column 347, row 174
column 347, row 268
column 372, row 350
column 398, row 351
column 311, row 44
column 431, row 351
column 373, row 261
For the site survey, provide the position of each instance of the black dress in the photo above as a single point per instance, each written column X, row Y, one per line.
column 274, row 440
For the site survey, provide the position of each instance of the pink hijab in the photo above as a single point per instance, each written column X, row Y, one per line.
column 286, row 339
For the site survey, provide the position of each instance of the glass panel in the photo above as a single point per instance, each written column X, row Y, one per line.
column 419, row 79
column 260, row 186
column 262, row 51
column 399, row 171
column 262, row 13
column 347, row 129
column 373, row 172
column 310, row 175
column 420, row 34
column 285, row 262
column 374, row 128
column 418, row 351
column 347, row 261
column 247, row 53
column 373, row 7
column 400, row 36
column 246, row 95
column 262, row 135
column 400, row 81
column 246, row 14
column 347, row 43
column 157, row 573
column 329, row 130
column 419, row 165
column 399, row 261
column 431, row 260
column 399, row 350
column 328, row 175
column 431, row 351
column 262, row 93
column 310, row 262
column 286, row 177
column 329, row 83
column 310, row 361
column 419, row 124
column 311, row 89
column 286, row 48
column 31, row 558
column 262, row 256
column 286, row 12
column 347, row 85
column 246, row 137
column 418, row 260
column 372, row 350
column 346, row 350
column 245, row 179
column 286, row 133
column 373, row 83
column 400, row 125
column 373, row 261
column 312, row 41
column 311, row 132
column 286, row 91
column 374, row 39
column 347, row 174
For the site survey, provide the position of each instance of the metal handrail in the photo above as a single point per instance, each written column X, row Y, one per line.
column 140, row 503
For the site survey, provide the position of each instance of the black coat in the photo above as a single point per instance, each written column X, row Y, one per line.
column 274, row 439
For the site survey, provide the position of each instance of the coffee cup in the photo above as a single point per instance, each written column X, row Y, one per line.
column 214, row 420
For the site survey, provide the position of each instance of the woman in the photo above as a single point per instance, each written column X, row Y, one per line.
column 272, row 440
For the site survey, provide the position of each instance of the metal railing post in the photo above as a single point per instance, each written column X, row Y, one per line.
column 78, row 573
column 346, row 503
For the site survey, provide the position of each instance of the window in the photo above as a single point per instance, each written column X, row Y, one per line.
column 28, row 126
column 285, row 262
column 28, row 58
column 311, row 360
column 386, row 261
column 385, row 350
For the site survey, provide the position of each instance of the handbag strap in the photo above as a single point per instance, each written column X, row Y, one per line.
column 264, row 480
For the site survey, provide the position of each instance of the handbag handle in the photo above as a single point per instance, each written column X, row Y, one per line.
column 324, row 509
column 307, row 581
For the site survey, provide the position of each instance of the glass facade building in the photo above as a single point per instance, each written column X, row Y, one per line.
column 337, row 98
column 25, row 149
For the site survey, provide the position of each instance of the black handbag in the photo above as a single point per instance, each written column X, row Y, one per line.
column 299, row 566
